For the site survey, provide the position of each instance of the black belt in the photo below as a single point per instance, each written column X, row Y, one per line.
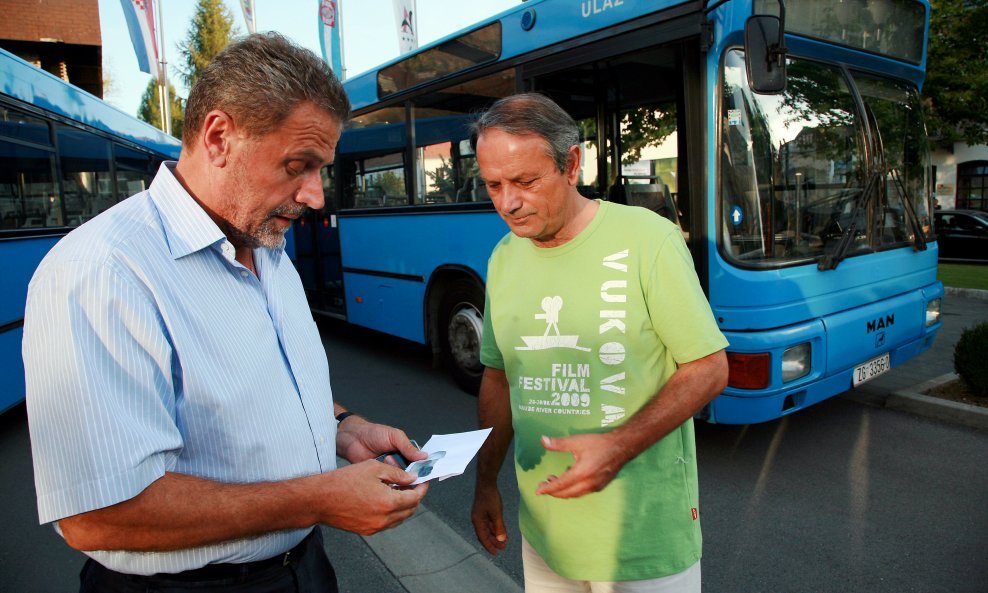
column 244, row 570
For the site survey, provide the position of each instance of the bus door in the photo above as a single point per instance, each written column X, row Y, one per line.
column 317, row 253
column 633, row 112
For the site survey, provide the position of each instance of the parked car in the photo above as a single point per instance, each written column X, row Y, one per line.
column 962, row 234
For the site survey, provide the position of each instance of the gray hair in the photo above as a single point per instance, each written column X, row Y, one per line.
column 532, row 113
column 258, row 81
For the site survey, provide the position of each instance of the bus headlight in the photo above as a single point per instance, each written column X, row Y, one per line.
column 933, row 312
column 796, row 362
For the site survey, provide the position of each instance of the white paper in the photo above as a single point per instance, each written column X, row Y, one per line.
column 449, row 455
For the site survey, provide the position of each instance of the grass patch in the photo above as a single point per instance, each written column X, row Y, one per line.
column 963, row 275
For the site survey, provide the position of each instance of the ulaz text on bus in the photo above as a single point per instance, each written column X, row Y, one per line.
column 591, row 7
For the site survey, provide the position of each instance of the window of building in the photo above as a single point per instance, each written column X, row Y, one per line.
column 972, row 185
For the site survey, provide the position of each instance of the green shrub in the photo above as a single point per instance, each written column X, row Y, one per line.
column 971, row 358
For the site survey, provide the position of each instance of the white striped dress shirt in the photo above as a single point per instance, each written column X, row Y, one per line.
column 148, row 348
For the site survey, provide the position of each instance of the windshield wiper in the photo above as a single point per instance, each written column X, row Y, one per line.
column 919, row 239
column 830, row 260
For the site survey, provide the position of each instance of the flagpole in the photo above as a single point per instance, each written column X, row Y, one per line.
column 163, row 76
column 161, row 103
column 339, row 21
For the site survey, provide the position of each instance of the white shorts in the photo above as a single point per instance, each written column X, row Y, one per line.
column 539, row 578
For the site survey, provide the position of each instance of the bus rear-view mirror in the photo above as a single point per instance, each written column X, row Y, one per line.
column 764, row 54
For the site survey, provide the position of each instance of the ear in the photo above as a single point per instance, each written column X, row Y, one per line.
column 573, row 165
column 218, row 136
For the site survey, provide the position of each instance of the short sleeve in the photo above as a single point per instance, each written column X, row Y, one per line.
column 678, row 309
column 100, row 388
column 490, row 354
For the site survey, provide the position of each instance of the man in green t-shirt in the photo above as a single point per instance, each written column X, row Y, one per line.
column 599, row 346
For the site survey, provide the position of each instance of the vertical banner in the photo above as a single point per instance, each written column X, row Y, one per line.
column 329, row 35
column 407, row 28
column 140, row 24
column 248, row 6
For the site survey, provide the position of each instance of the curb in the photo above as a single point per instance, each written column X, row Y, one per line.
column 427, row 556
column 970, row 293
column 915, row 402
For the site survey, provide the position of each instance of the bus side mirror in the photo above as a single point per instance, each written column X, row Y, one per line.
column 765, row 54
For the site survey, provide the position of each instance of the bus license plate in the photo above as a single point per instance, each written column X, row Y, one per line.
column 871, row 369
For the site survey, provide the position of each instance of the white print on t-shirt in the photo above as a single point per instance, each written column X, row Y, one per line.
column 566, row 388
column 611, row 414
column 613, row 311
column 551, row 306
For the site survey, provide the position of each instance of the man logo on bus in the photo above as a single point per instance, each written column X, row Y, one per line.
column 880, row 340
column 881, row 323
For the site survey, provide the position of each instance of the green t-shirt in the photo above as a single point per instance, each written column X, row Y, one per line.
column 587, row 333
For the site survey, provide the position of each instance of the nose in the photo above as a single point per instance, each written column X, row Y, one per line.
column 311, row 192
column 510, row 199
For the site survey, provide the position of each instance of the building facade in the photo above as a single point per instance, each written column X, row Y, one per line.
column 60, row 36
column 961, row 177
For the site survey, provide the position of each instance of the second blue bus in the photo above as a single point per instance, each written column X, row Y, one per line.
column 806, row 206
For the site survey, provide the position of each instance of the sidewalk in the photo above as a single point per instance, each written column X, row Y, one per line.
column 424, row 555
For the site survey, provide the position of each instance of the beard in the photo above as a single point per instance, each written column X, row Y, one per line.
column 244, row 232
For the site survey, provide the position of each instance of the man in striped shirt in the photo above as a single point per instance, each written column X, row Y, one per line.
column 181, row 416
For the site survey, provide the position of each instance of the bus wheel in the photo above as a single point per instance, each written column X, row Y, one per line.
column 461, row 329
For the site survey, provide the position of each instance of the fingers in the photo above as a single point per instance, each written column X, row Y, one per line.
column 368, row 497
column 573, row 483
column 392, row 474
column 398, row 501
column 490, row 532
column 554, row 444
column 488, row 520
column 406, row 448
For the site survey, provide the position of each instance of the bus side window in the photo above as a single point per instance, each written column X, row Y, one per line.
column 472, row 188
column 380, row 181
column 437, row 184
column 85, row 161
column 29, row 196
column 133, row 171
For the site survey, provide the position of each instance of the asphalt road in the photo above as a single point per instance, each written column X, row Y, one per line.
column 841, row 497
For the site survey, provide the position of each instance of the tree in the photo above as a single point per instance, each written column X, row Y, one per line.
column 956, row 88
column 212, row 30
column 150, row 109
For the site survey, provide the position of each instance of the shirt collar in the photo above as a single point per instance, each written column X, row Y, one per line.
column 186, row 225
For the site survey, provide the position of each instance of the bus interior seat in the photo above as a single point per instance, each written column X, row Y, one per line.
column 472, row 190
column 654, row 196
column 616, row 193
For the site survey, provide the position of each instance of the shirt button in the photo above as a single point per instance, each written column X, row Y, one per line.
column 244, row 273
column 227, row 249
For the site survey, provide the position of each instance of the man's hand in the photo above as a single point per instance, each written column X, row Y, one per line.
column 488, row 519
column 597, row 459
column 359, row 440
column 368, row 497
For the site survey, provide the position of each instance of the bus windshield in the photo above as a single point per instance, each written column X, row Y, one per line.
column 805, row 170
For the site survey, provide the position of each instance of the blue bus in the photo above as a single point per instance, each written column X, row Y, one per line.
column 785, row 139
column 65, row 156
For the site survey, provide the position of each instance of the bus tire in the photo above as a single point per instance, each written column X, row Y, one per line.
column 460, row 330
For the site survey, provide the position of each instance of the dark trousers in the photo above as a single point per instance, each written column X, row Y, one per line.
column 309, row 572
